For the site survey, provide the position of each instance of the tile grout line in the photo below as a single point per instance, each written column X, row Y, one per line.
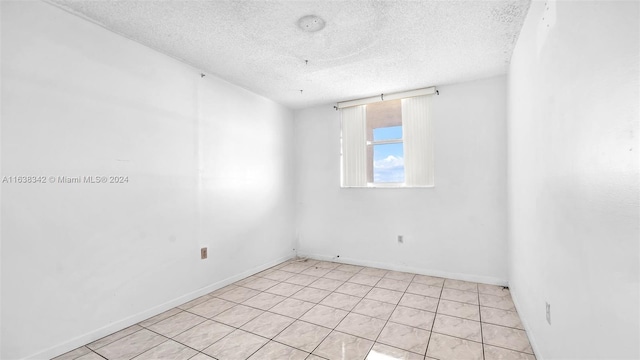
column 206, row 318
column 298, row 319
column 315, row 304
column 405, row 292
column 219, row 322
column 109, row 343
column 435, row 313
column 339, row 322
column 94, row 353
column 269, row 339
column 334, row 328
column 388, row 319
column 362, row 298
column 168, row 338
column 433, row 324
column 455, row 316
column 372, row 287
column 239, row 328
column 481, row 331
column 491, row 307
column 390, row 315
column 478, row 321
column 516, row 351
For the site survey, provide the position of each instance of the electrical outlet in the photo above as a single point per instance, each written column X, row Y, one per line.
column 203, row 253
column 548, row 313
column 400, row 239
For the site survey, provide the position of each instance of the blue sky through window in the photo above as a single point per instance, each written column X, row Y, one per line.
column 387, row 133
column 388, row 162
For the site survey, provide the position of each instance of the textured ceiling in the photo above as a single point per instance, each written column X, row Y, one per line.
column 366, row 47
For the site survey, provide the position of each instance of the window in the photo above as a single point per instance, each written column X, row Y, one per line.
column 387, row 144
column 385, row 152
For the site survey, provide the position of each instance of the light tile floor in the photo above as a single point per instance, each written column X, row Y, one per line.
column 307, row 309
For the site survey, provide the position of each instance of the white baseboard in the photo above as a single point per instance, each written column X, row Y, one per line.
column 416, row 270
column 532, row 340
column 134, row 319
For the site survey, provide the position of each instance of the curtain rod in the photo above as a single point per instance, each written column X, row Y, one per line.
column 392, row 96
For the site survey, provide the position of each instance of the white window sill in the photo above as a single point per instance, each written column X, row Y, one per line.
column 387, row 186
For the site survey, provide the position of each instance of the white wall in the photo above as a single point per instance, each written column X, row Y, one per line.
column 456, row 229
column 573, row 179
column 208, row 164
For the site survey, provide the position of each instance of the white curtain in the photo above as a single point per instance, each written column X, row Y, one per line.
column 417, row 133
column 354, row 146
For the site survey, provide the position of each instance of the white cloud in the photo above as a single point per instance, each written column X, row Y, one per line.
column 390, row 162
column 389, row 169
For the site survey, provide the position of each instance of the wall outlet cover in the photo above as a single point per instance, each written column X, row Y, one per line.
column 548, row 312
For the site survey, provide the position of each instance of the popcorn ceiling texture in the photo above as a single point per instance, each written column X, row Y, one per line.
column 366, row 47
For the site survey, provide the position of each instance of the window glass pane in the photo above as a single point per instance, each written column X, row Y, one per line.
column 388, row 163
column 387, row 133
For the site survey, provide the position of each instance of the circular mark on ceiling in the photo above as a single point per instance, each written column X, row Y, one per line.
column 311, row 23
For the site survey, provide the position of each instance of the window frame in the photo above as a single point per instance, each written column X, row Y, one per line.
column 372, row 144
column 355, row 167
